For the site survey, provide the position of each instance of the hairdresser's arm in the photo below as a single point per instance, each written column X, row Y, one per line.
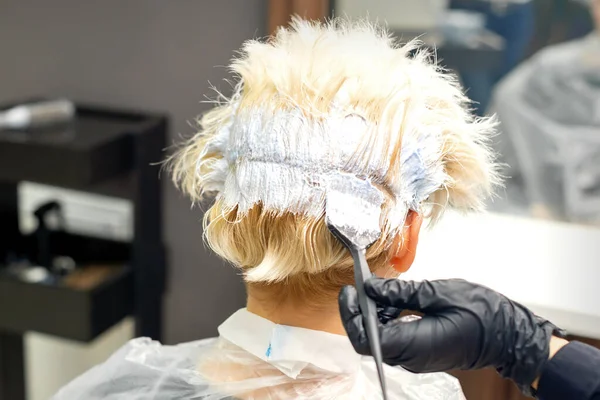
column 573, row 372
column 468, row 326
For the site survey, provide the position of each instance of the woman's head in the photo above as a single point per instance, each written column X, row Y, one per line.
column 314, row 103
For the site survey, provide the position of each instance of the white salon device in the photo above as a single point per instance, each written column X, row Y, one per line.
column 36, row 115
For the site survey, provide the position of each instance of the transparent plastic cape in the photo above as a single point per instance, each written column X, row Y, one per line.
column 217, row 369
column 549, row 113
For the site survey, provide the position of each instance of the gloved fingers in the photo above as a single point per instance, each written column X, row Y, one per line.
column 353, row 320
column 401, row 344
column 425, row 296
column 353, row 323
column 410, row 344
column 387, row 313
column 384, row 313
column 400, row 294
column 431, row 344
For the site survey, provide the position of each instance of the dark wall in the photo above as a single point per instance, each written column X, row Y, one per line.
column 147, row 54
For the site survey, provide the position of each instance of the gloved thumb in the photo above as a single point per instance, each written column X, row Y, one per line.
column 352, row 320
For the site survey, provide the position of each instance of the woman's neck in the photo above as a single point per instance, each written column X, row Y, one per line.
column 324, row 318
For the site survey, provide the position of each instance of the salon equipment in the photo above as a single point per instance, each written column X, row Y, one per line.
column 550, row 122
column 37, row 115
column 94, row 282
column 353, row 210
column 42, row 233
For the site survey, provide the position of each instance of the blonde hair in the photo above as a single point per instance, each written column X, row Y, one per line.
column 312, row 67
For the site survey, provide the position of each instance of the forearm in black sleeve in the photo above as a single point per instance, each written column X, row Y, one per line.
column 573, row 373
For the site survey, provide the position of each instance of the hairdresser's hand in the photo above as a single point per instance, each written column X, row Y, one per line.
column 465, row 326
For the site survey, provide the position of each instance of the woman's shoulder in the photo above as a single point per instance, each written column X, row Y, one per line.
column 150, row 344
column 408, row 385
column 140, row 364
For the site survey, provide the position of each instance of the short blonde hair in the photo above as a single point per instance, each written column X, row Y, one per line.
column 306, row 66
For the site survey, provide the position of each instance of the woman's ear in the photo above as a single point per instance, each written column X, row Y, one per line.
column 407, row 247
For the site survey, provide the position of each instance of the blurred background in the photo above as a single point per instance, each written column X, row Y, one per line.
column 98, row 247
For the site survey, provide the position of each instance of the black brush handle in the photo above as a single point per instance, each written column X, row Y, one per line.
column 368, row 310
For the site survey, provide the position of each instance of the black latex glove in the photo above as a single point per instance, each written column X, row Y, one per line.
column 465, row 326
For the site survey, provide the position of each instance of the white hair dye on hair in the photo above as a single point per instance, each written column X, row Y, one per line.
column 286, row 162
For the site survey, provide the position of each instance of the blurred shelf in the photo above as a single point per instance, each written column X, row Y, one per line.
column 96, row 146
column 79, row 307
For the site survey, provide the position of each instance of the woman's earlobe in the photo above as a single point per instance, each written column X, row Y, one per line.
column 403, row 259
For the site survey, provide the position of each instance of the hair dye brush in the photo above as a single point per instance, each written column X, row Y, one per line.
column 353, row 210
